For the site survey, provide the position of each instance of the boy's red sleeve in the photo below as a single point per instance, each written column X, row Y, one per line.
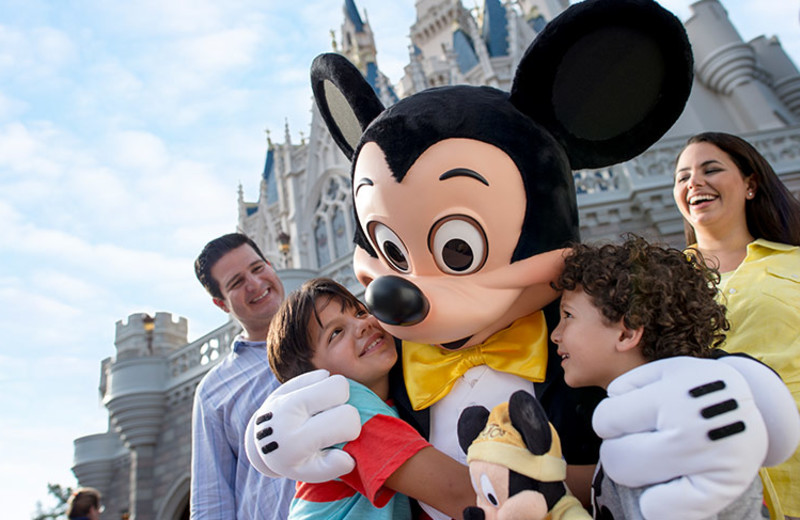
column 384, row 445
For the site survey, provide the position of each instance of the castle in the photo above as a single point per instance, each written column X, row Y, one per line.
column 303, row 215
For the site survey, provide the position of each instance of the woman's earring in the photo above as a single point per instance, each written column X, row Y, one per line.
column 750, row 194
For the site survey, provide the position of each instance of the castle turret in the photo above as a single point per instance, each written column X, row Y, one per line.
column 782, row 71
column 135, row 394
column 94, row 458
column 728, row 67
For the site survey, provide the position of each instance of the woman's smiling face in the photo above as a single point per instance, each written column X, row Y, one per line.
column 710, row 190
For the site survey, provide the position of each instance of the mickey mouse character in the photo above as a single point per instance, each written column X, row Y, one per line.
column 464, row 197
column 514, row 457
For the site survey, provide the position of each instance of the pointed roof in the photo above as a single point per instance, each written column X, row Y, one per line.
column 351, row 12
column 495, row 28
column 269, row 176
column 464, row 49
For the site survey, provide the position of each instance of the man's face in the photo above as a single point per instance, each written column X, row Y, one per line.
column 251, row 291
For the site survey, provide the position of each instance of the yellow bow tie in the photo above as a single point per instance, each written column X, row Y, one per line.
column 520, row 349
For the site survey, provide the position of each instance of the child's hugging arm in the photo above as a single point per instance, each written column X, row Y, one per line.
column 391, row 456
column 434, row 478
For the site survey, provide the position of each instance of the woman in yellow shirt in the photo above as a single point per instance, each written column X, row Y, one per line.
column 741, row 217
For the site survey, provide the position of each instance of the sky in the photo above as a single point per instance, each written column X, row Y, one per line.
column 125, row 130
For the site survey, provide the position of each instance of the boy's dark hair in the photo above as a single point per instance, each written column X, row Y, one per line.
column 289, row 344
column 211, row 254
column 667, row 292
column 81, row 501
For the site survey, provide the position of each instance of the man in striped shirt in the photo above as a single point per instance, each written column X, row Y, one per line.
column 224, row 485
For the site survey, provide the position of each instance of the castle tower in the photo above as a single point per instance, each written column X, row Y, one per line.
column 729, row 67
column 135, row 395
column 785, row 78
column 358, row 42
column 432, row 36
column 358, row 45
column 94, row 458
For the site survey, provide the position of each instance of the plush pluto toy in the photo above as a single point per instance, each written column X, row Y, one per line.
column 515, row 462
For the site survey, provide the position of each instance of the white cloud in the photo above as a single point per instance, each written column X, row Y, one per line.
column 36, row 53
column 11, row 107
column 217, row 52
column 21, row 149
column 115, row 80
column 155, row 17
column 136, row 151
column 53, row 48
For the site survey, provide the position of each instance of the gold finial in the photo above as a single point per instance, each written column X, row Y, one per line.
column 334, row 46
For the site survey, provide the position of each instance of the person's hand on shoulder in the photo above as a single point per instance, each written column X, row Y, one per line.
column 689, row 428
column 289, row 434
column 774, row 402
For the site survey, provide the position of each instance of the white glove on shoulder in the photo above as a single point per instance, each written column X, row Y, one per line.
column 776, row 405
column 289, row 435
column 689, row 428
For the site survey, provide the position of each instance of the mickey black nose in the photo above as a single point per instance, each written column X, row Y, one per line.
column 396, row 301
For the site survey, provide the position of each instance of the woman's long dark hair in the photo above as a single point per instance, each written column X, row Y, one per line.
column 773, row 213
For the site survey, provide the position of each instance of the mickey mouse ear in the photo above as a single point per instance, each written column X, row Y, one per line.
column 470, row 423
column 607, row 77
column 530, row 420
column 348, row 103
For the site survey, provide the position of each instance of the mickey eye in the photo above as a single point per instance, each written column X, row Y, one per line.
column 488, row 490
column 458, row 245
column 390, row 246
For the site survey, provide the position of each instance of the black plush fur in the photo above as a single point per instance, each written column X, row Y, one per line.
column 621, row 84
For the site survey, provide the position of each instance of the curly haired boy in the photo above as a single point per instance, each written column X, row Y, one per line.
column 626, row 305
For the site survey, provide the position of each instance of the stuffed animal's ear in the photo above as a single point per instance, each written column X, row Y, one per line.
column 470, row 424
column 607, row 78
column 344, row 98
column 530, row 420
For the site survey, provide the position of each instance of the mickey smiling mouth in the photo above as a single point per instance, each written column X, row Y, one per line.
column 455, row 345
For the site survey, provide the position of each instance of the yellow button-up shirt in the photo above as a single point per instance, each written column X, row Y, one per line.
column 763, row 300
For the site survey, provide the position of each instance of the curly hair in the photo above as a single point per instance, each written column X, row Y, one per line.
column 667, row 292
column 289, row 344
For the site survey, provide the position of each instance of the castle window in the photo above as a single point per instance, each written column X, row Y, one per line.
column 321, row 239
column 341, row 241
column 333, row 221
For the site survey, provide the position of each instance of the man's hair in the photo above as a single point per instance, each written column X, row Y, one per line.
column 289, row 343
column 81, row 501
column 667, row 292
column 211, row 254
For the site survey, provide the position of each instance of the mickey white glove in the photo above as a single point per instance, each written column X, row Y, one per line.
column 776, row 405
column 288, row 435
column 689, row 428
